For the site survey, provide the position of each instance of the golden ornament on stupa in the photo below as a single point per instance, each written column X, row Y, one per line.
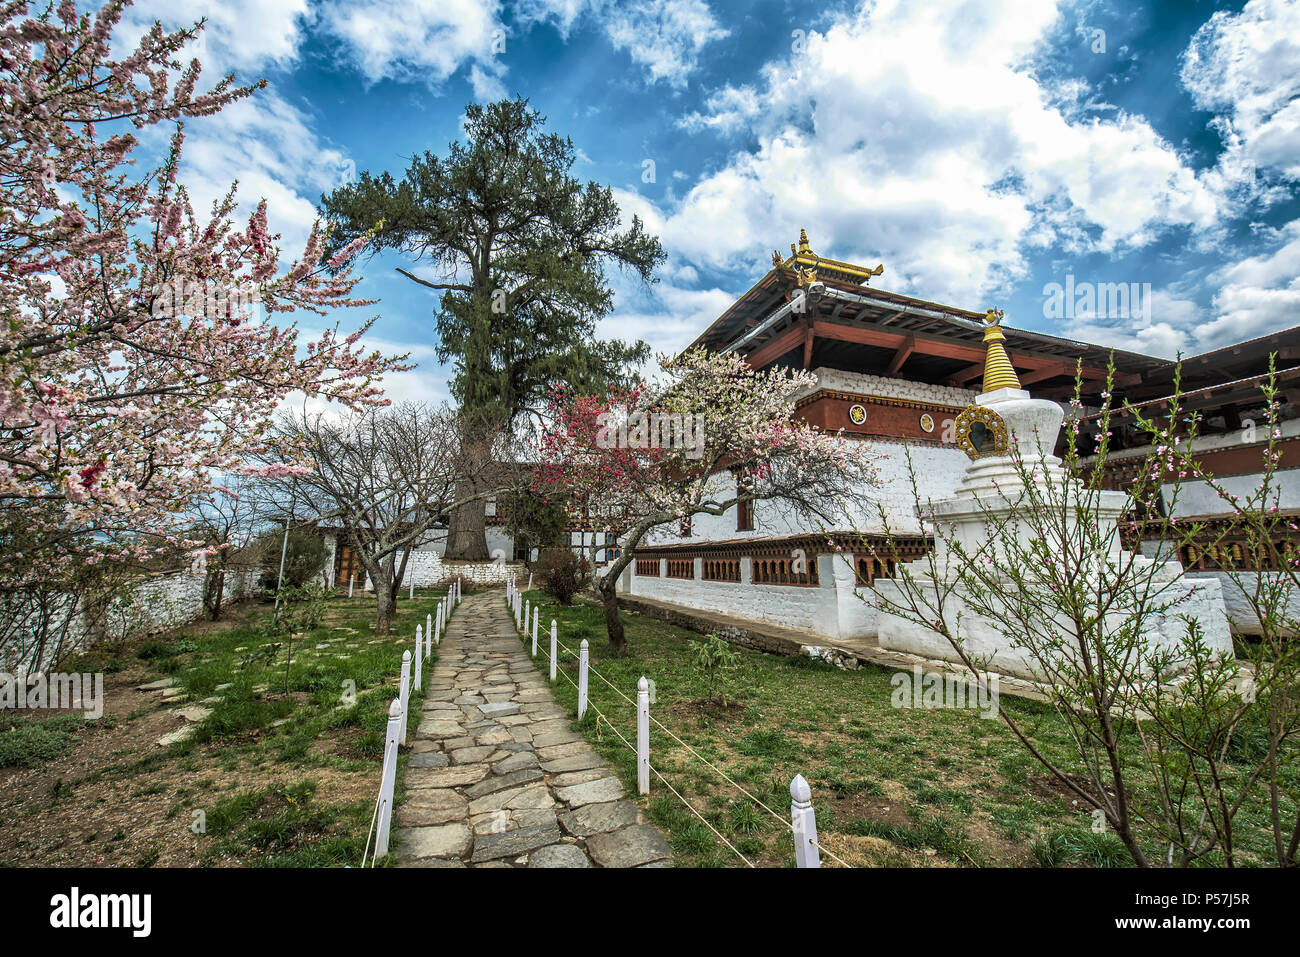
column 999, row 373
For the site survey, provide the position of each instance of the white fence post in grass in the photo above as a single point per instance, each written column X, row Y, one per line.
column 411, row 593
column 419, row 657
column 643, row 736
column 459, row 590
column 519, row 616
column 527, row 612
column 555, row 640
column 404, row 693
column 582, row 678
column 388, row 778
column 534, row 632
column 530, row 581
column 804, row 821
column 428, row 634
column 351, row 583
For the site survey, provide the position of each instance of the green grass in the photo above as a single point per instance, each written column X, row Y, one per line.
column 960, row 790
column 33, row 743
column 323, row 712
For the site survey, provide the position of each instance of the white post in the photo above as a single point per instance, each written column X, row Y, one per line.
column 388, row 778
column 441, row 620
column 419, row 657
column 804, row 821
column 351, row 583
column 411, row 594
column 404, row 694
column 428, row 634
column 534, row 632
column 527, row 611
column 459, row 590
column 530, row 581
column 582, row 678
column 519, row 615
column 555, row 640
column 643, row 736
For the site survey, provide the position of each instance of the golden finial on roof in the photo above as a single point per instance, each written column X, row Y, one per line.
column 999, row 373
column 803, row 242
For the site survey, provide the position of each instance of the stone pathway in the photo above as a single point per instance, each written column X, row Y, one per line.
column 498, row 777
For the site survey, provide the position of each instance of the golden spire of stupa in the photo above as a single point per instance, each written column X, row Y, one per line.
column 999, row 373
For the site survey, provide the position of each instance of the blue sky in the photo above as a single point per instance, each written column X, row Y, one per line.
column 980, row 150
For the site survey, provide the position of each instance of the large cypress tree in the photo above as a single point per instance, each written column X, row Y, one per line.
column 520, row 247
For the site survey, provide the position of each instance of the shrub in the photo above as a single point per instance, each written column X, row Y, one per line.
column 711, row 656
column 561, row 573
column 304, row 559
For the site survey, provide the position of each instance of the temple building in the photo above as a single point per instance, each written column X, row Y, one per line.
column 897, row 372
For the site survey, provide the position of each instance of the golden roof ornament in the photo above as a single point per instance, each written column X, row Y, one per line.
column 999, row 373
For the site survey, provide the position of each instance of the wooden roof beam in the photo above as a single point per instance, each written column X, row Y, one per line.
column 901, row 356
column 777, row 347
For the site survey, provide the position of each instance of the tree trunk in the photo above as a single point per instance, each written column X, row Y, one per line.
column 613, row 623
column 383, row 602
column 467, row 534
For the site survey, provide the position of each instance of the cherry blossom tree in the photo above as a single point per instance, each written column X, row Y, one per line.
column 711, row 435
column 140, row 355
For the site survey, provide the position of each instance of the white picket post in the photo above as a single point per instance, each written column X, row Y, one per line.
column 351, row 583
column 411, row 594
column 527, row 611
column 519, row 616
column 555, row 640
column 437, row 634
column 428, row 634
column 419, row 657
column 530, row 581
column 535, row 632
column 643, row 736
column 388, row 779
column 459, row 590
column 582, row 678
column 804, row 822
column 404, row 691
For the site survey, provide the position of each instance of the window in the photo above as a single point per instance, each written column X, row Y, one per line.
column 681, row 568
column 721, row 569
column 744, row 516
column 647, row 568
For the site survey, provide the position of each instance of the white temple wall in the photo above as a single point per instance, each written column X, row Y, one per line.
column 939, row 471
column 1197, row 498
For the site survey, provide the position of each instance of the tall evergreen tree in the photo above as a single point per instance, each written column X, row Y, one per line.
column 520, row 248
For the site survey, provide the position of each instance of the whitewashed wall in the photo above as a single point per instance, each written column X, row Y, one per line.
column 938, row 469
column 831, row 609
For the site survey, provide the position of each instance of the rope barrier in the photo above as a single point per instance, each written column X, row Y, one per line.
column 668, row 731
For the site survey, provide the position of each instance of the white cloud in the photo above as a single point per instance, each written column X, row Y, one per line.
column 1246, row 67
column 665, row 37
column 239, row 34
column 1257, row 295
column 272, row 149
column 426, row 40
column 916, row 134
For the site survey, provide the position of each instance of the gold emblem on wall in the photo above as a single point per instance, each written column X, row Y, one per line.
column 981, row 432
column 927, row 422
column 857, row 414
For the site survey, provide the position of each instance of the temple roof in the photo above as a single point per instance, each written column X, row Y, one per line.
column 852, row 326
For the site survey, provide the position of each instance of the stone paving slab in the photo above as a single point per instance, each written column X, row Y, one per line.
column 498, row 776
